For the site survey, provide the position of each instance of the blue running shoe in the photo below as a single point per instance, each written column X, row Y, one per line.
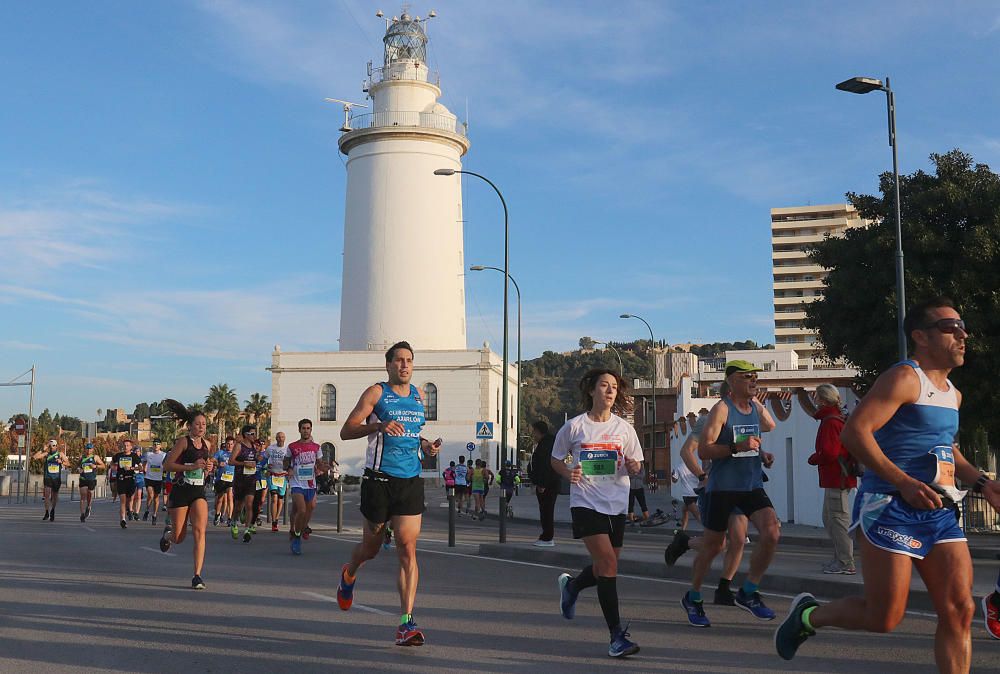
column 792, row 632
column 567, row 597
column 621, row 645
column 695, row 612
column 754, row 604
column 296, row 545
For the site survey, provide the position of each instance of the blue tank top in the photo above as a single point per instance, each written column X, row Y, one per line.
column 53, row 468
column 398, row 456
column 918, row 435
column 221, row 456
column 88, row 468
column 737, row 473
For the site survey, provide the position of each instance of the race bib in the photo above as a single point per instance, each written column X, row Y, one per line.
column 599, row 464
column 742, row 432
column 195, row 477
column 156, row 472
column 228, row 473
column 261, row 484
column 945, row 475
column 125, row 463
column 88, row 469
column 54, row 468
column 305, row 473
column 278, row 481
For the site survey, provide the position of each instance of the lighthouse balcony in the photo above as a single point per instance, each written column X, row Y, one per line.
column 397, row 118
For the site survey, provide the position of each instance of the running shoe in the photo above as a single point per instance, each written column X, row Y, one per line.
column 991, row 613
column 567, row 597
column 724, row 597
column 124, row 525
column 252, row 529
column 52, row 516
column 83, row 517
column 153, row 521
column 621, row 645
column 215, row 521
column 838, row 568
column 308, row 530
column 197, row 583
column 544, row 544
column 296, row 546
column 88, row 511
column 165, row 540
column 145, row 516
column 345, row 591
column 677, row 547
column 274, row 526
column 164, row 507
column 246, row 537
column 409, row 635
column 45, row 518
column 754, row 604
column 792, row 632
column 695, row 612
column 235, row 531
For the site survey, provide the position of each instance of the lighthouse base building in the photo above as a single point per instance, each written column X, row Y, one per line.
column 403, row 275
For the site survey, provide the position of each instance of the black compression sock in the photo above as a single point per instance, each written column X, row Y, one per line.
column 584, row 580
column 724, row 583
column 607, row 594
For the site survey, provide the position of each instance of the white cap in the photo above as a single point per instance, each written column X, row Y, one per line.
column 52, row 443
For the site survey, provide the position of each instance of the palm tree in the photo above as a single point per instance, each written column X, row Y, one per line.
column 222, row 403
column 257, row 409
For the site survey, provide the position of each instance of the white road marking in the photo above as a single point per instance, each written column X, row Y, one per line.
column 93, row 531
column 168, row 554
column 317, row 595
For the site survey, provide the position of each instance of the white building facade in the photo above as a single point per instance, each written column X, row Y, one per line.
column 403, row 275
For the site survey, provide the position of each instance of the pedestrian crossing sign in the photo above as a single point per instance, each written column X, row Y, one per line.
column 484, row 430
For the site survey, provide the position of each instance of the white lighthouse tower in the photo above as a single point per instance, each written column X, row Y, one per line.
column 403, row 266
column 403, row 274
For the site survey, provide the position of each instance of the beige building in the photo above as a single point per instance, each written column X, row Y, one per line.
column 797, row 280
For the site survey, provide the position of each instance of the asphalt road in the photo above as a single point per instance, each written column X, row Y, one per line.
column 93, row 597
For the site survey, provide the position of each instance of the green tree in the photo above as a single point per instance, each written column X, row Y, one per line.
column 141, row 412
column 951, row 239
column 223, row 406
column 586, row 343
column 256, row 410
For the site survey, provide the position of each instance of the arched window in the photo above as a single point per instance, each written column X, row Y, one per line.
column 329, row 451
column 328, row 403
column 430, row 402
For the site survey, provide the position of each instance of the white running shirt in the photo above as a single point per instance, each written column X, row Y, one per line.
column 600, row 448
column 154, row 466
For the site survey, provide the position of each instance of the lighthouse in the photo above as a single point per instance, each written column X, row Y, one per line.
column 403, row 261
column 403, row 274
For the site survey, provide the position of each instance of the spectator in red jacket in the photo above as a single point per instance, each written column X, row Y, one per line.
column 837, row 470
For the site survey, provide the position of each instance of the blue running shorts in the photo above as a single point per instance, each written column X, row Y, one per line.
column 892, row 524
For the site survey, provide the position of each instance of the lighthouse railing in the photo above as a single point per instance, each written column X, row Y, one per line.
column 426, row 120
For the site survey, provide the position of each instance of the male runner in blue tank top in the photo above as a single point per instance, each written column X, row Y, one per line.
column 391, row 415
column 731, row 439
column 903, row 432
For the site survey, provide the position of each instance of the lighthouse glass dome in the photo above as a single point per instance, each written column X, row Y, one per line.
column 405, row 39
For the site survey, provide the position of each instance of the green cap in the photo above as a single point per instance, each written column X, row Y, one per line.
column 740, row 366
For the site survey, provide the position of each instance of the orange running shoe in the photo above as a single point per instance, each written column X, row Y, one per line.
column 409, row 634
column 345, row 590
column 991, row 612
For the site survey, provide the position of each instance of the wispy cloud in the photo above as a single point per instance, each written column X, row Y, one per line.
column 23, row 346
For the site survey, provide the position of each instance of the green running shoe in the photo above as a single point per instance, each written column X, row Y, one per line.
column 792, row 632
column 235, row 531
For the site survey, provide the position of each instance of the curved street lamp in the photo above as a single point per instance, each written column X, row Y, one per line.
column 652, row 340
column 505, row 403
column 621, row 366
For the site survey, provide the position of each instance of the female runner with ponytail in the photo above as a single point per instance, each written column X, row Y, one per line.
column 189, row 461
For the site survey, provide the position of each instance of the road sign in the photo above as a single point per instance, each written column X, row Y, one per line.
column 20, row 425
column 471, row 446
column 484, row 430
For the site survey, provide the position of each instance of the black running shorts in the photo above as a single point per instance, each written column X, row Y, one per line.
column 155, row 485
column 183, row 495
column 243, row 488
column 126, row 486
column 88, row 484
column 384, row 496
column 587, row 522
column 53, row 484
column 719, row 505
column 221, row 487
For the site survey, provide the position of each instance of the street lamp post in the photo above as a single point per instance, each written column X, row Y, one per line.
column 864, row 85
column 652, row 450
column 621, row 366
column 517, row 413
column 504, row 405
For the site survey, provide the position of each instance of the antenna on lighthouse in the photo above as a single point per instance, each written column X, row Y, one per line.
column 347, row 111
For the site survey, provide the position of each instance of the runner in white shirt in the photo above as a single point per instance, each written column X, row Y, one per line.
column 462, row 483
column 277, row 477
column 603, row 450
column 154, row 480
column 686, row 482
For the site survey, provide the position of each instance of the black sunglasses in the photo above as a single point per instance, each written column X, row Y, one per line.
column 947, row 325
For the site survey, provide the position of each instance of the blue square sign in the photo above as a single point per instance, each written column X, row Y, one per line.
column 484, row 430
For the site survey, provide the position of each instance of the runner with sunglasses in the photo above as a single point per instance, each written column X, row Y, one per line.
column 731, row 440
column 903, row 431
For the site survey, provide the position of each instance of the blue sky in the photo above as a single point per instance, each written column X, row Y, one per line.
column 171, row 195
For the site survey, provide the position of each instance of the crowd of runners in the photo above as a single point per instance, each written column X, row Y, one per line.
column 903, row 432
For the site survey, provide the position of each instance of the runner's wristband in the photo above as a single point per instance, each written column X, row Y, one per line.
column 980, row 483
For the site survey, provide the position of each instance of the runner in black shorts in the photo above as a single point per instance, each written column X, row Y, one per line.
column 127, row 466
column 89, row 464
column 604, row 451
column 391, row 415
column 244, row 457
column 189, row 461
column 55, row 459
